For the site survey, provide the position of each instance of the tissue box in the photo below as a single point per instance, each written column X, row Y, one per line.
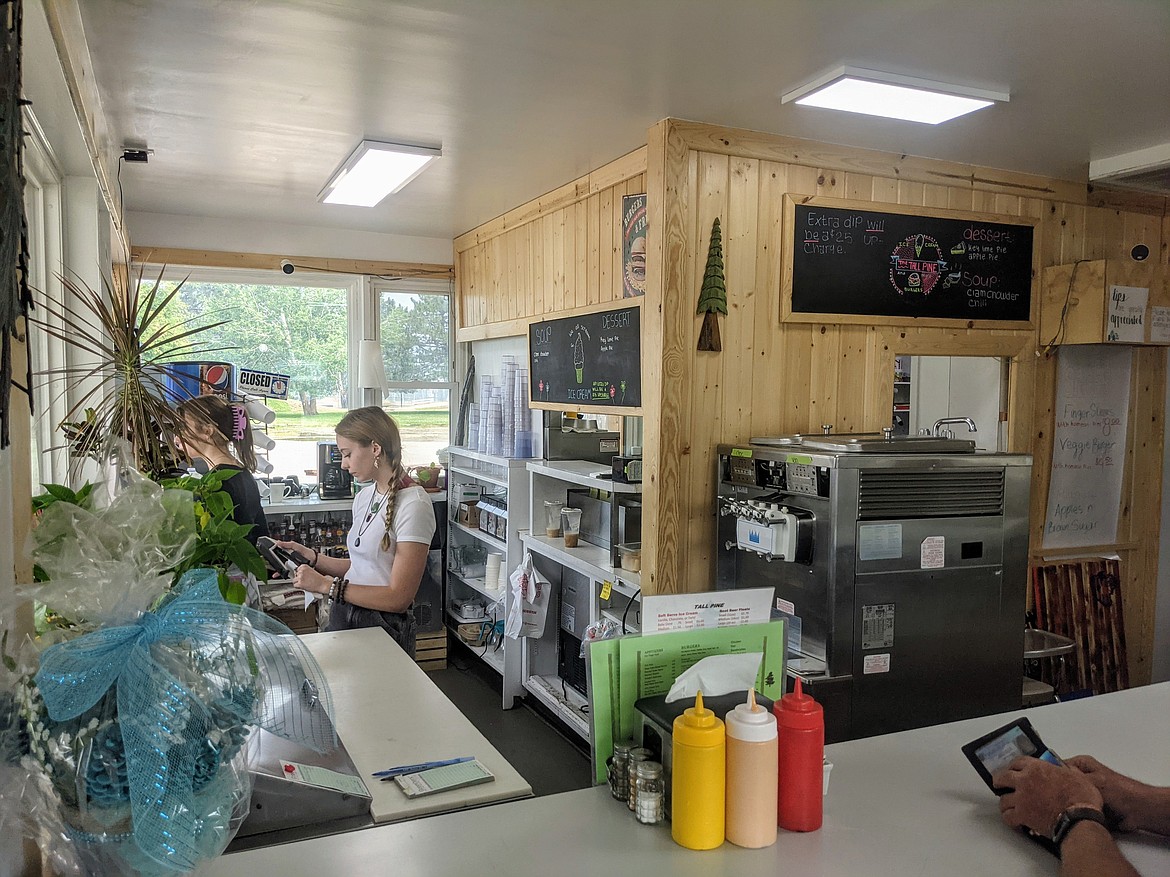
column 656, row 723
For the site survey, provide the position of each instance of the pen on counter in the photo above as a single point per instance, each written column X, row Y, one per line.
column 402, row 769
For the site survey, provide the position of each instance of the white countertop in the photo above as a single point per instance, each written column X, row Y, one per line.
column 901, row 805
column 388, row 712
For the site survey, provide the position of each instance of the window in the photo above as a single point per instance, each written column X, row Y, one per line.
column 310, row 330
column 414, row 327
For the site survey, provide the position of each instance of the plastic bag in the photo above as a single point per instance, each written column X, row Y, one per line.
column 528, row 608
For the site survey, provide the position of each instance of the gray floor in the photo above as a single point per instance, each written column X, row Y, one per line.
column 542, row 753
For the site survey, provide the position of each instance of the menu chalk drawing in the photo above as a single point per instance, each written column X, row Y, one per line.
column 847, row 260
column 591, row 361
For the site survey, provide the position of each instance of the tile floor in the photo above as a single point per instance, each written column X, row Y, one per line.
column 542, row 753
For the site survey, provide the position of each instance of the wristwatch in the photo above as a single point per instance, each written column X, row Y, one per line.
column 1070, row 817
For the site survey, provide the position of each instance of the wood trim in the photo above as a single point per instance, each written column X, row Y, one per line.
column 519, row 326
column 792, row 150
column 65, row 24
column 271, row 262
column 629, row 165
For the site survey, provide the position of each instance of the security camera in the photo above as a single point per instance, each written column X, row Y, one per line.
column 286, row 266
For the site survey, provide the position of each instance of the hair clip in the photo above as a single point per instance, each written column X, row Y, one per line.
column 239, row 422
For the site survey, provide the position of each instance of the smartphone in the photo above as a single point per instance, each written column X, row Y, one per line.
column 278, row 558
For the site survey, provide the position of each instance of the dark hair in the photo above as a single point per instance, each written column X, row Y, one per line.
column 221, row 415
column 367, row 426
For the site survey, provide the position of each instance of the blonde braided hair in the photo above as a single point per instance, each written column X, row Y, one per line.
column 367, row 426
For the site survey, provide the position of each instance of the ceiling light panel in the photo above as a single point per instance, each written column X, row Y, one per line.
column 375, row 170
column 891, row 96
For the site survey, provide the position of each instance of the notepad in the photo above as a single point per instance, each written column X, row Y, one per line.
column 440, row 779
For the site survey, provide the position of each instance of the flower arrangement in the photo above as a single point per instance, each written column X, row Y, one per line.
column 124, row 733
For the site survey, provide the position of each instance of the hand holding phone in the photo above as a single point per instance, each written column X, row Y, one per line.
column 279, row 558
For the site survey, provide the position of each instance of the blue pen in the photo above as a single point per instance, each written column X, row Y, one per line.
column 404, row 769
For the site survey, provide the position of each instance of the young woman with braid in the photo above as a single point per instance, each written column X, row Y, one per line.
column 393, row 522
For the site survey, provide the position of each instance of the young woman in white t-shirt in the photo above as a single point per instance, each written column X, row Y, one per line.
column 393, row 523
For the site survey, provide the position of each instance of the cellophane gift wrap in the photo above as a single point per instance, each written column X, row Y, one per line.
column 124, row 730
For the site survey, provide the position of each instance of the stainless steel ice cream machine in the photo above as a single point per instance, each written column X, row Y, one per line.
column 900, row 562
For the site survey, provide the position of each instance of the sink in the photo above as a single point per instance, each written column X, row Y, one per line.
column 1043, row 644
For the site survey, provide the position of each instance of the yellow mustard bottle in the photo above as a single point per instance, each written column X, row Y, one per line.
column 698, row 778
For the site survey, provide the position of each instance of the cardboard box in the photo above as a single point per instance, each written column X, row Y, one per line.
column 468, row 514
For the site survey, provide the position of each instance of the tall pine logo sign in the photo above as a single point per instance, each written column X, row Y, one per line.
column 713, row 295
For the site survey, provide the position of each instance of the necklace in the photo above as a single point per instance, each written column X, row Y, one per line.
column 371, row 510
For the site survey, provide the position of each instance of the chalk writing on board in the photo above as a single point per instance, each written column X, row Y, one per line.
column 1088, row 449
column 854, row 261
column 1127, row 313
column 589, row 360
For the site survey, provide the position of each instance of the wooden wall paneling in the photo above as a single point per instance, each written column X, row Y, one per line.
column 593, row 249
column 606, row 279
column 936, row 196
column 959, row 198
column 825, row 358
column 747, row 304
column 858, row 186
column 911, row 192
column 537, row 238
column 879, row 381
column 551, row 264
column 581, row 253
column 710, row 370
column 853, row 380
column 768, row 383
column 885, row 190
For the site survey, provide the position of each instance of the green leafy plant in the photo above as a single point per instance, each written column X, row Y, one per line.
column 127, row 342
column 220, row 542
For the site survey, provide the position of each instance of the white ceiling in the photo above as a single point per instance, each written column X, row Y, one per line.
column 249, row 105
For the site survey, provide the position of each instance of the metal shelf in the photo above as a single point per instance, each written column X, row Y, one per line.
column 482, row 536
column 582, row 473
column 479, row 586
column 547, row 689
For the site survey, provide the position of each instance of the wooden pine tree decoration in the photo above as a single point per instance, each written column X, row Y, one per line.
column 713, row 295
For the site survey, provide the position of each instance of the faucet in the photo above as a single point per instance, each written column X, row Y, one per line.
column 971, row 427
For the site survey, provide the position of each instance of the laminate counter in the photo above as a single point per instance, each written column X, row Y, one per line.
column 899, row 805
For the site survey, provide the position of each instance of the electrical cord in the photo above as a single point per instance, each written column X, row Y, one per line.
column 637, row 615
column 1061, row 326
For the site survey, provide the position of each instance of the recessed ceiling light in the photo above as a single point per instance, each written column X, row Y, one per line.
column 875, row 93
column 375, row 170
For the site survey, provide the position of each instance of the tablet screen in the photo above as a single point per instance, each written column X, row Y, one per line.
column 999, row 753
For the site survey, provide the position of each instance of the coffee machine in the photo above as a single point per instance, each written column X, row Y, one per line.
column 333, row 482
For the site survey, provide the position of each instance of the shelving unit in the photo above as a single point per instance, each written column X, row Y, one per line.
column 579, row 575
column 493, row 475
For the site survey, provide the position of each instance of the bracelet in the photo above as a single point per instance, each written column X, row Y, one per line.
column 316, row 555
column 344, row 586
column 333, row 586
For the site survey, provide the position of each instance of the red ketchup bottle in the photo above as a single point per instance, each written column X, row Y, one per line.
column 800, row 774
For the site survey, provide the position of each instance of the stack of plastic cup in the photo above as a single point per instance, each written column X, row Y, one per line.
column 473, row 426
column 492, row 573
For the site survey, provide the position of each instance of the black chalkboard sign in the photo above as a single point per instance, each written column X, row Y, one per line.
column 591, row 360
column 869, row 262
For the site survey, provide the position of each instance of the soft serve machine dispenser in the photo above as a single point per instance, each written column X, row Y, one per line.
column 901, row 562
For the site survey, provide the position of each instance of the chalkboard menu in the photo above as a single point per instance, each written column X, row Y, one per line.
column 591, row 360
column 869, row 262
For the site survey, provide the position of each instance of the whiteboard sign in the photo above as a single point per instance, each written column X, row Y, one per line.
column 1160, row 325
column 1088, row 446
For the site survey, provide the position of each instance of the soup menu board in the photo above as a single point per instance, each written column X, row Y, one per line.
column 590, row 360
column 848, row 260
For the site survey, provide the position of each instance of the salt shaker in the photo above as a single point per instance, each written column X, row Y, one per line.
column 649, row 808
column 637, row 756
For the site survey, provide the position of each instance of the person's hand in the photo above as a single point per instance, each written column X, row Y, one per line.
column 308, row 579
column 306, row 553
column 1040, row 792
column 1122, row 795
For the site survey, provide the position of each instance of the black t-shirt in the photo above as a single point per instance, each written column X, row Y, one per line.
column 245, row 495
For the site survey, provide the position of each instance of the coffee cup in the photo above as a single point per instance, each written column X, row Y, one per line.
column 278, row 491
column 571, row 519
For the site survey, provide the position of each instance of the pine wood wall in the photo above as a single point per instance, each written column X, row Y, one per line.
column 774, row 378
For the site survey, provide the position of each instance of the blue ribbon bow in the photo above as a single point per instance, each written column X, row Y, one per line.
column 160, row 716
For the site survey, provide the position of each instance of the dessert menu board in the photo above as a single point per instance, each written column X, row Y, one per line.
column 874, row 263
column 587, row 361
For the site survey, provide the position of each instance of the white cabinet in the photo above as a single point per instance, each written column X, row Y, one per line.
column 468, row 551
column 586, row 586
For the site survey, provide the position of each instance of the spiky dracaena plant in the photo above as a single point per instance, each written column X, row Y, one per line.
column 127, row 343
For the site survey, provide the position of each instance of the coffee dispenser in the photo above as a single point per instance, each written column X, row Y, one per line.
column 333, row 482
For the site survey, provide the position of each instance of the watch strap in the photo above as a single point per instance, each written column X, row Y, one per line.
column 1070, row 817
